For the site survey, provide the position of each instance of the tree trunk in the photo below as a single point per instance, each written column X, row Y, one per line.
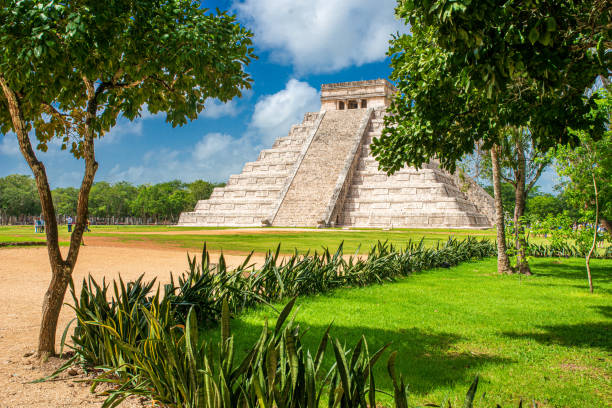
column 588, row 257
column 61, row 271
column 520, row 195
column 606, row 224
column 503, row 264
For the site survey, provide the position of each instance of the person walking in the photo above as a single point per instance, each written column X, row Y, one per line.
column 69, row 223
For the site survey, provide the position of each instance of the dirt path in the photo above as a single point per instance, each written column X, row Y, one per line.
column 24, row 276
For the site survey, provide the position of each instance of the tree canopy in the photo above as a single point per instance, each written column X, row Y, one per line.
column 68, row 70
column 18, row 196
column 468, row 69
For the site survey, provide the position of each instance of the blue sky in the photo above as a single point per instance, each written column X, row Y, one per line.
column 301, row 44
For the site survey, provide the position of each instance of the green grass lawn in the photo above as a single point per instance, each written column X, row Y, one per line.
column 246, row 242
column 542, row 338
column 304, row 240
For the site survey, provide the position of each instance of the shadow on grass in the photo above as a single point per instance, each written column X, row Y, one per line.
column 604, row 310
column 601, row 273
column 427, row 360
column 592, row 334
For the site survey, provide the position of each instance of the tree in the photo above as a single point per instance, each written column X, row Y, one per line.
column 539, row 206
column 588, row 171
column 469, row 71
column 18, row 195
column 111, row 200
column 200, row 190
column 68, row 70
column 521, row 166
column 65, row 200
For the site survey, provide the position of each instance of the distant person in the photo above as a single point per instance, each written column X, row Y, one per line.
column 42, row 225
column 36, row 225
column 69, row 223
column 87, row 225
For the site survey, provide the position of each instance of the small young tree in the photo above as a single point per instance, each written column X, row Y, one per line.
column 588, row 172
column 68, row 70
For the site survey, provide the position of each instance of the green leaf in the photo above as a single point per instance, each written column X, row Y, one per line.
column 534, row 34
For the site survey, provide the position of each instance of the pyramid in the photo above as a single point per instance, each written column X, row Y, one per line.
column 323, row 174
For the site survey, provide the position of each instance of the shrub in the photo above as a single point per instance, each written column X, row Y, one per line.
column 206, row 286
column 149, row 343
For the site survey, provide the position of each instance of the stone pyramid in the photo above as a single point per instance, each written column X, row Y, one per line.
column 322, row 174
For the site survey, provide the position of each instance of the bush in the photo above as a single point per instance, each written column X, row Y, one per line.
column 206, row 286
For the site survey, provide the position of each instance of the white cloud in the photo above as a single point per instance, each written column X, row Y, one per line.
column 274, row 114
column 214, row 109
column 214, row 157
column 211, row 143
column 322, row 35
column 9, row 145
column 125, row 127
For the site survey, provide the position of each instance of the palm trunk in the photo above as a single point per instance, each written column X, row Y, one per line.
column 503, row 263
column 519, row 211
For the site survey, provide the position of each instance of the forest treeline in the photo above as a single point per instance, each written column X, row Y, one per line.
column 160, row 202
column 165, row 201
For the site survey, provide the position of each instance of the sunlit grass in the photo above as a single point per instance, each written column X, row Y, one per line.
column 541, row 338
column 245, row 241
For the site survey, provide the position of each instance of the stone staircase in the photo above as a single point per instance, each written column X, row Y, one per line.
column 312, row 188
column 429, row 197
column 251, row 196
column 323, row 174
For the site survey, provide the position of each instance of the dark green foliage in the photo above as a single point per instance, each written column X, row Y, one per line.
column 18, row 195
column 565, row 250
column 468, row 69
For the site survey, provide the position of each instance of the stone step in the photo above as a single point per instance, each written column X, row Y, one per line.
column 371, row 161
column 432, row 220
column 284, row 161
column 289, row 141
column 213, row 203
column 252, row 188
column 387, row 187
column 412, row 205
column 312, row 187
column 270, row 166
column 220, row 220
column 284, row 152
column 277, row 178
column 237, row 209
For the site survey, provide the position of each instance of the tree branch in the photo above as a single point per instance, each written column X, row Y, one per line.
column 538, row 173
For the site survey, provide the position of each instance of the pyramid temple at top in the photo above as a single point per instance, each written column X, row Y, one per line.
column 323, row 174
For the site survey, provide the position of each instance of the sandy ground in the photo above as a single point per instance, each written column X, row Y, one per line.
column 24, row 277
